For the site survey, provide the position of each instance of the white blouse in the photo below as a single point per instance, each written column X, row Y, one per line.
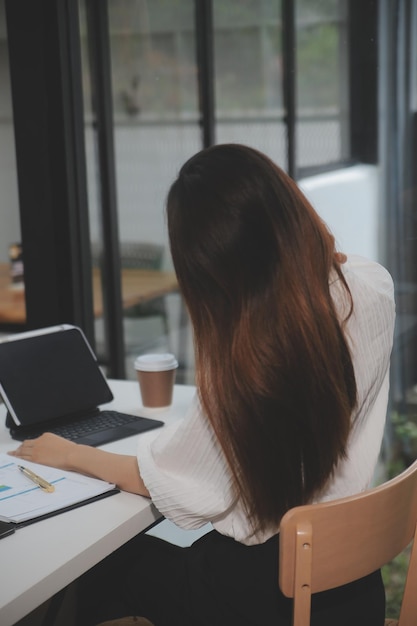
column 184, row 468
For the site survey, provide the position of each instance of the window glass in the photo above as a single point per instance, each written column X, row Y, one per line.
column 248, row 75
column 12, row 316
column 153, row 59
column 322, row 82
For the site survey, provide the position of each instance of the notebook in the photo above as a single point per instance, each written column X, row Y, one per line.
column 23, row 502
column 50, row 381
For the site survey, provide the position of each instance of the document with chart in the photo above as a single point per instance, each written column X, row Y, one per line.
column 30, row 492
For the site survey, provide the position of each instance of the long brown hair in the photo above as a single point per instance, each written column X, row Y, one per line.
column 273, row 368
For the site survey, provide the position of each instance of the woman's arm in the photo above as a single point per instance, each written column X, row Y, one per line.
column 57, row 452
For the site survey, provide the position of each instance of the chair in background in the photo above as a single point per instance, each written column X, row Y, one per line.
column 330, row 544
column 146, row 256
column 141, row 255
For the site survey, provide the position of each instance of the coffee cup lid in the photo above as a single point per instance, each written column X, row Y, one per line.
column 155, row 362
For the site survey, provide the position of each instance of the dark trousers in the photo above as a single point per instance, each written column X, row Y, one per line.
column 215, row 582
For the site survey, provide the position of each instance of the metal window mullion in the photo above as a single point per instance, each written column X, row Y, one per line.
column 100, row 67
column 72, row 92
column 205, row 64
column 289, row 81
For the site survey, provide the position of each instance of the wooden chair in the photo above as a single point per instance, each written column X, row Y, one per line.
column 333, row 543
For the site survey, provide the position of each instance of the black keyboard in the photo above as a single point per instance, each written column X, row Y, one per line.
column 89, row 425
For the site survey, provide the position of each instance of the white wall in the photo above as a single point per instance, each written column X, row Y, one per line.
column 347, row 200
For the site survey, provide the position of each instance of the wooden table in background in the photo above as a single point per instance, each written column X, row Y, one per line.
column 12, row 299
column 137, row 286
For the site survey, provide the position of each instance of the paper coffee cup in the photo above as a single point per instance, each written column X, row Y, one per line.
column 156, row 377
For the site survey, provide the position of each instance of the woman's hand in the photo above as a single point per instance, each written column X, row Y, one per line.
column 340, row 257
column 48, row 449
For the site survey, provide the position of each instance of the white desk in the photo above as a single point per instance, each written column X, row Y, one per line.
column 41, row 559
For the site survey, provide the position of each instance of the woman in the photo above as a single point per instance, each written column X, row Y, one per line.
column 292, row 345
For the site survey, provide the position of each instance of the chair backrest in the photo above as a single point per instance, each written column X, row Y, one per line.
column 332, row 543
column 141, row 255
column 134, row 255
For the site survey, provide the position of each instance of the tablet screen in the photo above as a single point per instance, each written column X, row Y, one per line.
column 49, row 374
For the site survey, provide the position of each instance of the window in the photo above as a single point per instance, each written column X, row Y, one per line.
column 322, row 83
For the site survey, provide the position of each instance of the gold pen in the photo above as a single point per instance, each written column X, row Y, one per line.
column 41, row 482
